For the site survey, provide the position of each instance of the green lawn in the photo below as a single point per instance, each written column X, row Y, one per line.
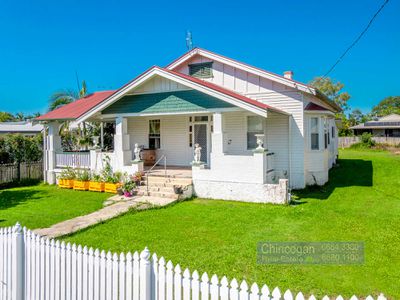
column 43, row 205
column 361, row 203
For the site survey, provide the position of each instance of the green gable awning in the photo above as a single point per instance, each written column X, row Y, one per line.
column 168, row 102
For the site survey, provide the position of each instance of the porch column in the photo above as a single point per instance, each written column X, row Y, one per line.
column 123, row 154
column 53, row 144
column 217, row 137
column 102, row 135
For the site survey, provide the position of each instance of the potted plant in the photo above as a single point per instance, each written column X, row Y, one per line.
column 138, row 177
column 96, row 183
column 82, row 180
column 112, row 182
column 129, row 188
column 66, row 178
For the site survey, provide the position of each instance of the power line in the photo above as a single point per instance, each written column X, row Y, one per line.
column 357, row 39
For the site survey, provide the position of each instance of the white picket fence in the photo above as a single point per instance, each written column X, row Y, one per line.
column 33, row 267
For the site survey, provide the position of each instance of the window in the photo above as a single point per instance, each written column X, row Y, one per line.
column 201, row 118
column 314, row 134
column 326, row 134
column 254, row 126
column 333, row 131
column 201, row 70
column 154, row 134
column 191, row 135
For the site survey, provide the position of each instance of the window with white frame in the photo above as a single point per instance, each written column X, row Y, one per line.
column 154, row 134
column 326, row 133
column 314, row 129
column 254, row 126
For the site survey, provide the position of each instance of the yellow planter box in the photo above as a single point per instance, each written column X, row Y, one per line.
column 66, row 183
column 111, row 187
column 96, row 186
column 81, row 185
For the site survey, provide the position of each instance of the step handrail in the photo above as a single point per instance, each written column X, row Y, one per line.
column 149, row 170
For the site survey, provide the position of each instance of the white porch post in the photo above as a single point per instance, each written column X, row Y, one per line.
column 53, row 144
column 217, row 137
column 102, row 135
column 123, row 154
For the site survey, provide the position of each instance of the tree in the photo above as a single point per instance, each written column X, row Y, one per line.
column 357, row 117
column 333, row 90
column 6, row 117
column 389, row 105
column 64, row 97
column 19, row 116
column 69, row 139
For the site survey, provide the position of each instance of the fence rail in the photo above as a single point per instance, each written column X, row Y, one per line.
column 347, row 141
column 9, row 172
column 33, row 267
column 73, row 159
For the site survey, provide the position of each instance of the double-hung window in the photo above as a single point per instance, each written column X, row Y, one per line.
column 154, row 134
column 326, row 133
column 314, row 133
column 254, row 126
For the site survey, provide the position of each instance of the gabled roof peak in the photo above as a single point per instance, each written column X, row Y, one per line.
column 254, row 70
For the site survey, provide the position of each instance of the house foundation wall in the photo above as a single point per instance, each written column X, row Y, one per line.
column 317, row 177
column 242, row 191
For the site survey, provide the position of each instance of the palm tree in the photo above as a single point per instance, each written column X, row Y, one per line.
column 20, row 116
column 64, row 97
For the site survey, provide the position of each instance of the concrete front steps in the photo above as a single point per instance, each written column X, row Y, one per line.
column 163, row 187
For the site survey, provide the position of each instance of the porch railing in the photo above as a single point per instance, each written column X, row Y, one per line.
column 163, row 157
column 73, row 160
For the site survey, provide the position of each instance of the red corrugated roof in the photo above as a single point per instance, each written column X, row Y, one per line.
column 313, row 106
column 77, row 108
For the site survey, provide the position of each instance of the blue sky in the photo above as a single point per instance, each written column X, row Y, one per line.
column 110, row 42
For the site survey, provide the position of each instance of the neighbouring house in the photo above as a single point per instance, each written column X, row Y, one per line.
column 26, row 128
column 241, row 132
column 388, row 126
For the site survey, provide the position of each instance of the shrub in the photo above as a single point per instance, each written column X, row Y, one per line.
column 83, row 175
column 129, row 186
column 96, row 178
column 366, row 139
column 17, row 148
column 68, row 174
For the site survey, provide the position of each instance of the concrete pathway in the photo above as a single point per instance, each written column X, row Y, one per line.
column 116, row 206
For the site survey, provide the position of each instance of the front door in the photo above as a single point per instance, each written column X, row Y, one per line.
column 201, row 137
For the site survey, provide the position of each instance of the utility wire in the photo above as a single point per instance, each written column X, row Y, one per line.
column 357, row 39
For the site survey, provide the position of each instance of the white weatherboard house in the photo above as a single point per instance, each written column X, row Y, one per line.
column 257, row 133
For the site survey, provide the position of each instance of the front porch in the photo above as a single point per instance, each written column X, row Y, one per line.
column 228, row 166
column 221, row 138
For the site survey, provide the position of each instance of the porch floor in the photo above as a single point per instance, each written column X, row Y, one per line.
column 172, row 171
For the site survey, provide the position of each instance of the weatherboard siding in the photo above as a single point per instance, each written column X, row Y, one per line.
column 158, row 84
column 292, row 103
column 167, row 102
column 234, row 78
column 174, row 137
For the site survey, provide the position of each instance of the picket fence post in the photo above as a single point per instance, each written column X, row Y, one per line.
column 145, row 275
column 18, row 268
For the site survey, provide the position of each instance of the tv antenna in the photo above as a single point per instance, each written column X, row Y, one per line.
column 189, row 41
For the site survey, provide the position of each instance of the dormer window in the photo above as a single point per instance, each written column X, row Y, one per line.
column 201, row 70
